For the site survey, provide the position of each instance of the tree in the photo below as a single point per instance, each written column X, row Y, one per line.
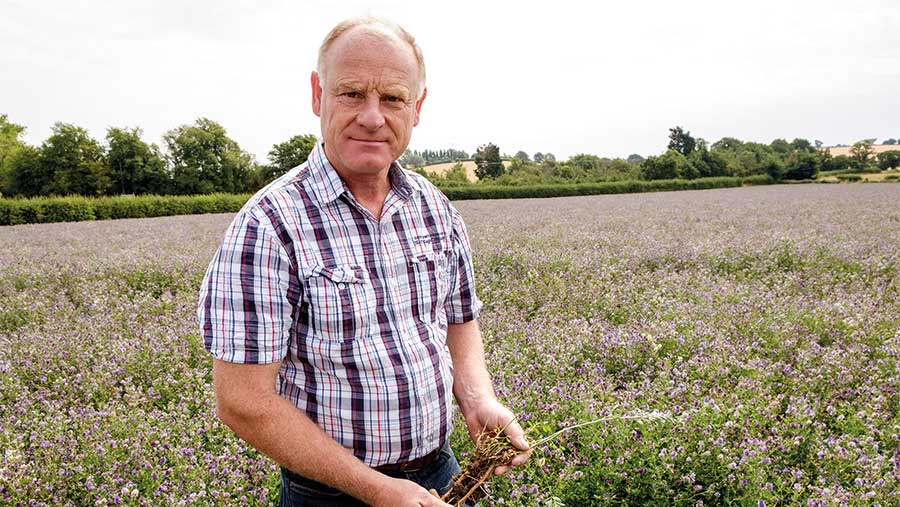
column 538, row 157
column 801, row 165
column 74, row 162
column 618, row 170
column 10, row 144
column 549, row 157
column 585, row 162
column 135, row 167
column 411, row 159
column 670, row 165
column 293, row 152
column 563, row 172
column 26, row 175
column 781, row 147
column 862, row 151
column 487, row 161
column 888, row 160
column 708, row 163
column 890, row 141
column 634, row 158
column 773, row 166
column 826, row 160
column 681, row 141
column 727, row 144
column 205, row 160
column 10, row 134
column 745, row 159
column 802, row 145
column 288, row 155
column 842, row 162
column 457, row 175
column 521, row 155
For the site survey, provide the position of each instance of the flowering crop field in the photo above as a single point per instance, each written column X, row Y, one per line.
column 762, row 324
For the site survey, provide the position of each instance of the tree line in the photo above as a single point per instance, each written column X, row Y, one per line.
column 198, row 158
column 416, row 158
column 686, row 157
column 201, row 158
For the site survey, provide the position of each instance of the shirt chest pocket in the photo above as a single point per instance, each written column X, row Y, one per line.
column 339, row 302
column 425, row 268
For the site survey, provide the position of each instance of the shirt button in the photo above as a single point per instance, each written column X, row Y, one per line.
column 342, row 286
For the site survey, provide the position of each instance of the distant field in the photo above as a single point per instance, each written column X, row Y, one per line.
column 469, row 165
column 870, row 177
column 878, row 148
column 878, row 176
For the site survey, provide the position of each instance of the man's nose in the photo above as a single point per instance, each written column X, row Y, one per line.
column 371, row 116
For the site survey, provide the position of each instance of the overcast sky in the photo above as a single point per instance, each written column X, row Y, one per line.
column 567, row 77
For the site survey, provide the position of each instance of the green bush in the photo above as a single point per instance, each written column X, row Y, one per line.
column 68, row 209
column 892, row 177
column 849, row 177
column 613, row 187
column 76, row 208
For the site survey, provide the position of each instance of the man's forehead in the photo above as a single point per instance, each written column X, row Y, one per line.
column 353, row 82
column 360, row 41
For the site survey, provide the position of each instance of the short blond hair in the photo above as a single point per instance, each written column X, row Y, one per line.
column 378, row 26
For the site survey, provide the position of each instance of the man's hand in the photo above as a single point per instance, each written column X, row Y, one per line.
column 475, row 394
column 491, row 414
column 403, row 493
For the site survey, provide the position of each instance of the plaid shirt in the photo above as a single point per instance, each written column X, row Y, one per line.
column 356, row 307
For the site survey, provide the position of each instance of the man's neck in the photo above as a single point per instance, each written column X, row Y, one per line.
column 370, row 192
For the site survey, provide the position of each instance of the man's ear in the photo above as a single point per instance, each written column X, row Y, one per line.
column 316, row 93
column 419, row 105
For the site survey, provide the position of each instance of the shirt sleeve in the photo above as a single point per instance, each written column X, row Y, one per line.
column 244, row 309
column 463, row 304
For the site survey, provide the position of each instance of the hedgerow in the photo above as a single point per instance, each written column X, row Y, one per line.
column 79, row 208
column 612, row 187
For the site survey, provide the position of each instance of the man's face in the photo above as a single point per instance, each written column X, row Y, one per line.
column 366, row 100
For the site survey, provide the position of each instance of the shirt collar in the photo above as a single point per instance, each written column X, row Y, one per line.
column 327, row 184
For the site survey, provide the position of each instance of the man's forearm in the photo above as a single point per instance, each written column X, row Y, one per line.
column 471, row 380
column 474, row 391
column 276, row 428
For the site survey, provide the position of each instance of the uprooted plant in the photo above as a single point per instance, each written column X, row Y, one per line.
column 493, row 448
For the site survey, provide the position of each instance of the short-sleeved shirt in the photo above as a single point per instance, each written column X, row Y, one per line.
column 355, row 306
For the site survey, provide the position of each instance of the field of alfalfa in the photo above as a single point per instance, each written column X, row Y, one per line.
column 762, row 323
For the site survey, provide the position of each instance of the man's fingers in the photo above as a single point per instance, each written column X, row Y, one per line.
column 521, row 443
column 437, row 502
column 520, row 459
column 518, row 439
column 517, row 436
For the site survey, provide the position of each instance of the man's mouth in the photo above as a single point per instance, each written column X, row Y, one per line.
column 367, row 141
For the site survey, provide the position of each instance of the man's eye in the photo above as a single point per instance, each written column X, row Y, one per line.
column 352, row 95
column 392, row 98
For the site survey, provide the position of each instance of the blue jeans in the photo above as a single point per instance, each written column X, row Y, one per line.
column 298, row 491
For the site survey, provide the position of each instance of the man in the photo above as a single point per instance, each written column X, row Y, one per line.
column 342, row 292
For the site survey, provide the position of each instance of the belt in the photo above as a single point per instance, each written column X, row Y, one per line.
column 411, row 466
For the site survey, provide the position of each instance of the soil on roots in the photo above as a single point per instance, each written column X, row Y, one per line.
column 492, row 449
